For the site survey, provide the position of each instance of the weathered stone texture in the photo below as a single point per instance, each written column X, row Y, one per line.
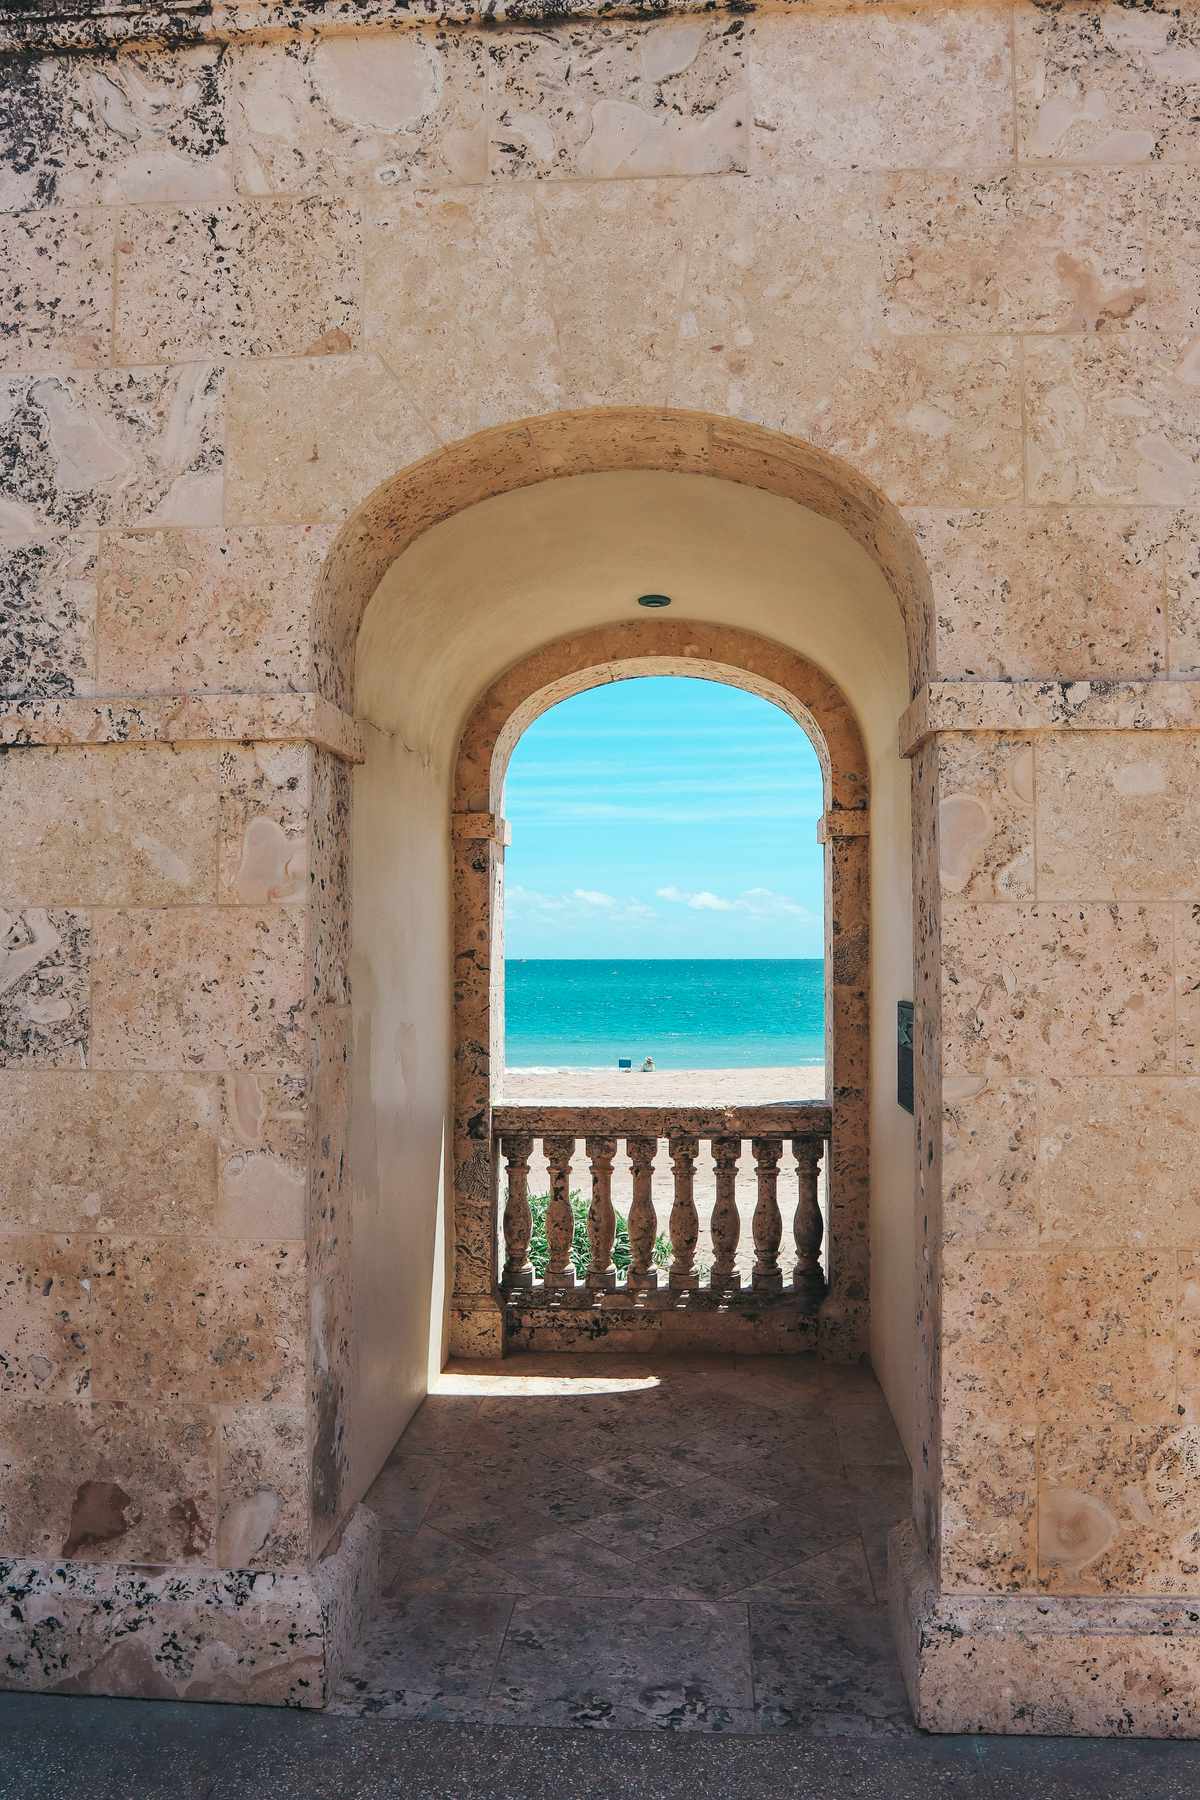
column 256, row 279
column 198, row 611
column 246, row 285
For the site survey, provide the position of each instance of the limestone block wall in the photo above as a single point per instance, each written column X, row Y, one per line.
column 162, row 972
column 252, row 269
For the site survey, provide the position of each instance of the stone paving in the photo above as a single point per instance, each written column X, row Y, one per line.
column 696, row 1544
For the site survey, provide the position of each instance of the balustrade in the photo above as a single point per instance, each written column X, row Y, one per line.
column 644, row 1131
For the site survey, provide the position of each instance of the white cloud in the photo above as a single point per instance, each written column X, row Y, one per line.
column 756, row 903
column 580, row 904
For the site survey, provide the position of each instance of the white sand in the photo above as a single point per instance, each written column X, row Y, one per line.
column 679, row 1087
column 665, row 1087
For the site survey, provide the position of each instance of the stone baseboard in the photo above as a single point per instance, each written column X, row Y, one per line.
column 246, row 1635
column 1042, row 1665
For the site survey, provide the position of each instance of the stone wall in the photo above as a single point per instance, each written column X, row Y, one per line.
column 253, row 270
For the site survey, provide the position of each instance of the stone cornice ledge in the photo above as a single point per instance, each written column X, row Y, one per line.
column 135, row 719
column 76, row 25
column 1024, row 706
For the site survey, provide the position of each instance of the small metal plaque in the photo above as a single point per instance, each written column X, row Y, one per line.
column 904, row 1054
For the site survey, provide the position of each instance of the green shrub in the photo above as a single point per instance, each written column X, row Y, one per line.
column 581, row 1253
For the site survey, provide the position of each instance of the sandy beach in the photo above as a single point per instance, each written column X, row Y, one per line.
column 664, row 1087
column 679, row 1087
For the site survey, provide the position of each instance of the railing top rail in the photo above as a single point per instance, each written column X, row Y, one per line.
column 795, row 1118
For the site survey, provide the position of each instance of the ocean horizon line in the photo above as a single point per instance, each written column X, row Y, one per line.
column 662, row 959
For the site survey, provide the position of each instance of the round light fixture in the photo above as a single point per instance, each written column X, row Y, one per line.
column 654, row 599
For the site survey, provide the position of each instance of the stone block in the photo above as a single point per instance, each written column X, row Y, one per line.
column 118, row 447
column 1101, row 84
column 1022, row 1663
column 329, row 890
column 48, row 614
column 263, row 1487
column 990, row 1150
column 1069, row 594
column 262, row 1185
column 919, row 90
column 471, row 251
column 1027, row 988
column 1107, row 1335
column 261, row 278
column 108, row 827
column 1187, row 987
column 1115, row 1507
column 991, row 1350
column 138, row 125
column 325, row 114
column 986, row 817
column 1113, row 418
column 989, row 1472
column 603, row 100
column 56, row 290
column 1017, row 251
column 1115, row 1158
column 309, row 439
column 764, row 256
column 123, row 1153
column 1173, row 250
column 1183, row 595
column 201, row 987
column 265, row 804
column 1118, row 816
column 166, row 1319
column 105, row 1483
column 177, row 1320
column 45, row 1012
column 208, row 611
column 259, row 1637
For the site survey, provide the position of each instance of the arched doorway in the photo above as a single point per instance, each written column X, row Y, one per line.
column 458, row 570
column 685, row 1318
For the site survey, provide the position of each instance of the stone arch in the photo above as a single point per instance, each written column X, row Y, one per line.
column 527, row 451
column 504, row 712
column 465, row 565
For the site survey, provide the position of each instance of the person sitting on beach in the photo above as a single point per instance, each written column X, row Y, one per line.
column 648, row 1066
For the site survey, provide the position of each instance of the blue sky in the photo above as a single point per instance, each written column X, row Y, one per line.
column 663, row 817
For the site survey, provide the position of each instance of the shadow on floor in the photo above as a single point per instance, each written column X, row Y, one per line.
column 690, row 1544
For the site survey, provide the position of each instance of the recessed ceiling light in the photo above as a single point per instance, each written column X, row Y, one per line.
column 654, row 599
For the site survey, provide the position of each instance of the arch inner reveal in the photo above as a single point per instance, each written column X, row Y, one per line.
column 495, row 585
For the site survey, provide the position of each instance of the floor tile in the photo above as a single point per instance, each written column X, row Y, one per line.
column 720, row 1564
column 422, row 1657
column 567, row 1562
column 827, row 1669
column 835, row 1577
column 442, row 1423
column 671, row 1663
column 427, row 1562
column 672, row 1517
column 869, row 1438
column 402, row 1490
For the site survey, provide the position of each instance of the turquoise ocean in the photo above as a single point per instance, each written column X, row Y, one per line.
column 687, row 1015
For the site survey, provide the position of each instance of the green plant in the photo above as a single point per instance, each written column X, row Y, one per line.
column 581, row 1254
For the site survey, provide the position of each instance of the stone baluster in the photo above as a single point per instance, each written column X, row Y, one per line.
column 560, row 1220
column 768, row 1220
column 725, row 1225
column 685, row 1221
column 601, row 1219
column 518, row 1220
column 643, row 1225
column 809, row 1225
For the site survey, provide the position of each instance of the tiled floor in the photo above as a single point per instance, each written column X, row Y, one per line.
column 689, row 1543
